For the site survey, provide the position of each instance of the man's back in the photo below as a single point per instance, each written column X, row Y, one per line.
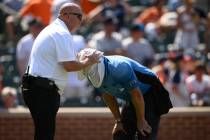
column 116, row 60
column 120, row 76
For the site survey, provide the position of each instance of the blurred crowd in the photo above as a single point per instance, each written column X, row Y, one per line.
column 172, row 37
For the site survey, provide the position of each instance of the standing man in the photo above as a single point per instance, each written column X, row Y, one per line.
column 51, row 58
column 146, row 98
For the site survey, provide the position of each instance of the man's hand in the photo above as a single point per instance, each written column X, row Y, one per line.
column 118, row 127
column 89, row 56
column 93, row 58
column 144, row 128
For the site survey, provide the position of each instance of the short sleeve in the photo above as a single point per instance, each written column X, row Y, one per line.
column 64, row 48
column 20, row 51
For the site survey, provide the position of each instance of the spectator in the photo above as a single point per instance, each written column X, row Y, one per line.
column 198, row 86
column 25, row 44
column 116, row 8
column 162, row 69
column 89, row 5
column 40, row 9
column 187, row 24
column 207, row 33
column 152, row 14
column 9, row 97
column 137, row 47
column 179, row 95
column 154, row 32
column 107, row 40
column 111, row 8
column 174, row 4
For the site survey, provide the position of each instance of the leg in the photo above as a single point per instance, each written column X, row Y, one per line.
column 152, row 118
column 43, row 107
column 128, row 117
column 120, row 136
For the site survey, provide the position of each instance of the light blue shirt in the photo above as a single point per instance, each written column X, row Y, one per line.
column 120, row 77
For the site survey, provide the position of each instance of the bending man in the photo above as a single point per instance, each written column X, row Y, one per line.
column 146, row 99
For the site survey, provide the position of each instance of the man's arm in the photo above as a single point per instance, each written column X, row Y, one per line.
column 74, row 65
column 138, row 102
column 78, row 65
column 21, row 66
column 111, row 102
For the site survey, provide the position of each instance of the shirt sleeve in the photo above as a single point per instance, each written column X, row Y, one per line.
column 64, row 48
column 20, row 51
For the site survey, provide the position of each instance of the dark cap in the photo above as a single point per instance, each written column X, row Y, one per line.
column 110, row 20
column 137, row 27
column 35, row 22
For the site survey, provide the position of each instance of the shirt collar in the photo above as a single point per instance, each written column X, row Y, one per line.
column 60, row 22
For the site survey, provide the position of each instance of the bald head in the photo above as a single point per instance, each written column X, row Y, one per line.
column 70, row 7
column 71, row 15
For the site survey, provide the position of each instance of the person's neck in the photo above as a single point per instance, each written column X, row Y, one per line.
column 189, row 8
column 108, row 34
column 67, row 25
column 135, row 39
column 199, row 78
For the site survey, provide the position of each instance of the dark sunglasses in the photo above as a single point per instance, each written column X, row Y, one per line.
column 79, row 16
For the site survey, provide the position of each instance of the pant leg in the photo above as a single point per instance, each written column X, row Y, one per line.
column 120, row 135
column 152, row 118
column 43, row 105
column 130, row 123
column 128, row 118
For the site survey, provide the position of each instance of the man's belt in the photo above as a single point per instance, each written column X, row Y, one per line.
column 32, row 81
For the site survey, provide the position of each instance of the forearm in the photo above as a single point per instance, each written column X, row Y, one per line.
column 84, row 61
column 21, row 66
column 111, row 102
column 138, row 103
column 75, row 65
